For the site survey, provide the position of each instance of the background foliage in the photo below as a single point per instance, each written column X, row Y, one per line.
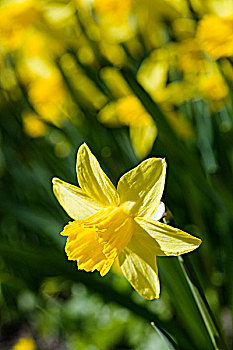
column 133, row 79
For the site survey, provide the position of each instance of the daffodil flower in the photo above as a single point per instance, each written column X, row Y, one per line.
column 111, row 223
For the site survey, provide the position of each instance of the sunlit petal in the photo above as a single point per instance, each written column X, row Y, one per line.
column 142, row 275
column 138, row 263
column 142, row 138
column 93, row 180
column 141, row 189
column 171, row 241
column 76, row 203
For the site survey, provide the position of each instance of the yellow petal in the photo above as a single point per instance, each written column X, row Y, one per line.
column 142, row 138
column 93, row 180
column 76, row 203
column 138, row 264
column 170, row 240
column 96, row 241
column 141, row 189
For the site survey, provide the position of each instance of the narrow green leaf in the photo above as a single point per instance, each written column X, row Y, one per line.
column 168, row 341
column 213, row 332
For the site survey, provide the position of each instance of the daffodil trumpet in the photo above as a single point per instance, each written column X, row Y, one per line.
column 120, row 223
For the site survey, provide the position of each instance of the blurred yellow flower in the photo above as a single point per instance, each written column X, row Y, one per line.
column 191, row 58
column 178, row 121
column 85, row 87
column 33, row 126
column 43, row 81
column 47, row 96
column 213, row 87
column 110, row 223
column 115, row 81
column 222, row 8
column 227, row 69
column 129, row 111
column 153, row 72
column 175, row 93
column 180, row 6
column 215, row 35
column 40, row 44
column 113, row 52
column 142, row 138
column 16, row 17
column 143, row 130
column 115, row 19
column 113, row 10
column 183, row 28
column 24, row 344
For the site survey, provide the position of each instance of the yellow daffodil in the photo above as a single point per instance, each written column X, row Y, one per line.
column 24, row 344
column 213, row 87
column 115, row 19
column 32, row 125
column 111, row 223
column 129, row 111
column 113, row 10
column 16, row 18
column 191, row 59
column 217, row 42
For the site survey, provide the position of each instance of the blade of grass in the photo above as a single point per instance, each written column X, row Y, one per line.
column 169, row 342
column 214, row 334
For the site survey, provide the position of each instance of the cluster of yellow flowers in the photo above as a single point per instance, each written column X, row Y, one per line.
column 25, row 35
column 176, row 57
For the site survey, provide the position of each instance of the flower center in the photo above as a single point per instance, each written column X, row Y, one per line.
column 96, row 241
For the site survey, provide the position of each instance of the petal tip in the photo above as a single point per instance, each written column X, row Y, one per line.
column 83, row 146
column 82, row 151
column 55, row 180
column 152, row 295
column 199, row 242
column 164, row 162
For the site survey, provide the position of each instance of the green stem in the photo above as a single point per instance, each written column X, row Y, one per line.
column 203, row 307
